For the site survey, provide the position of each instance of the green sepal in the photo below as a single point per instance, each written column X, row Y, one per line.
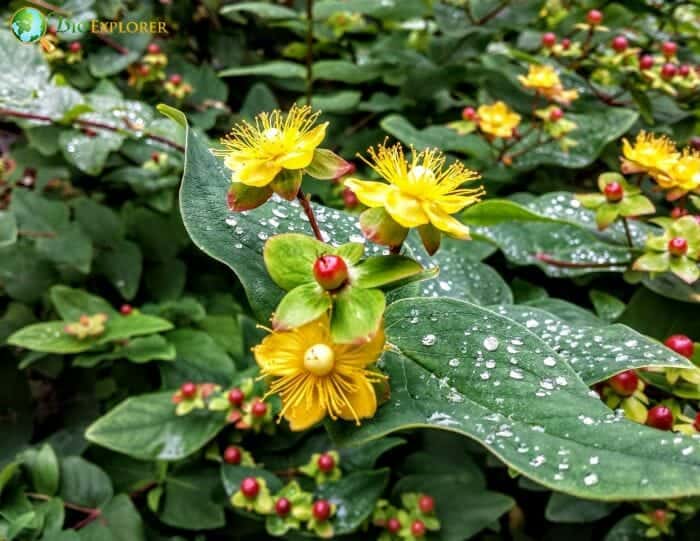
column 636, row 205
column 379, row 227
column 153, row 498
column 357, row 314
column 590, row 200
column 606, row 214
column 383, row 270
column 287, row 184
column 301, row 305
column 241, row 197
column 430, row 236
column 326, row 165
column 652, row 263
column 351, row 252
column 290, row 258
column 312, row 470
column 685, row 268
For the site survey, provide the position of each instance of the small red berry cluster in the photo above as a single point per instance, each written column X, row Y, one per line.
column 410, row 522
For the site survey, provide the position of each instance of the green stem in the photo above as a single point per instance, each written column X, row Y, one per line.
column 627, row 232
column 309, row 50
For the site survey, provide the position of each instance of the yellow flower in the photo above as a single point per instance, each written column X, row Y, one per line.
column 257, row 153
column 315, row 377
column 650, row 154
column 497, row 119
column 545, row 81
column 422, row 191
column 681, row 175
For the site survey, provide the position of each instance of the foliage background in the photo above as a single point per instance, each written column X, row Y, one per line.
column 91, row 221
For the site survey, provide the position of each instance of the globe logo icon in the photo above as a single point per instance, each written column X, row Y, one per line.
column 28, row 25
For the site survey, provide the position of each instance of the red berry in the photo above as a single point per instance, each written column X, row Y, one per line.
column 668, row 70
column 175, row 79
column 350, row 199
column 188, row 389
column 659, row 516
column 125, row 309
column 468, row 113
column 418, row 528
column 51, row 30
column 393, row 525
column 321, row 510
column 143, row 70
column 556, row 114
column 330, row 271
column 75, row 47
column 669, row 48
column 326, row 463
column 250, row 487
column 565, row 44
column 646, row 62
column 259, row 409
column 660, row 417
column 624, row 383
column 549, row 39
column 594, row 17
column 696, row 423
column 426, row 504
column 619, row 43
column 681, row 344
column 613, row 192
column 678, row 246
column 694, row 142
column 89, row 132
column 153, row 48
column 282, row 507
column 236, row 397
column 232, row 455
column 678, row 212
column 684, row 70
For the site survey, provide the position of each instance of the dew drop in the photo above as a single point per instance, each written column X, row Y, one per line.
column 491, row 343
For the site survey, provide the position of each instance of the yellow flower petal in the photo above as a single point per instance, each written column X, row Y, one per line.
column 363, row 354
column 257, row 173
column 446, row 223
column 296, row 160
column 362, row 403
column 372, row 194
column 305, row 415
column 405, row 210
column 313, row 138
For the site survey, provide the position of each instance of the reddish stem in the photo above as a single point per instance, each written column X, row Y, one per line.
column 111, row 43
column 546, row 258
column 304, row 202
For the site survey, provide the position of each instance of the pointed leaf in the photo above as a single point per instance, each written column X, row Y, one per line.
column 357, row 314
column 382, row 270
column 302, row 304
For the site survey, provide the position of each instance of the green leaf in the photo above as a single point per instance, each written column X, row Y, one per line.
column 8, row 228
column 568, row 509
column 72, row 303
column 43, row 469
column 507, row 406
column 337, row 102
column 281, row 69
column 83, row 483
column 89, row 152
column 137, row 350
column 146, row 427
column 355, row 496
column 379, row 271
column 344, row 71
column 189, row 500
column 121, row 263
column 301, row 305
column 289, row 259
column 261, row 9
column 595, row 353
column 357, row 314
column 198, row 358
column 119, row 521
column 606, row 306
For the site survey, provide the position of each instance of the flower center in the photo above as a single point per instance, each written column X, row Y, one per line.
column 272, row 134
column 319, row 359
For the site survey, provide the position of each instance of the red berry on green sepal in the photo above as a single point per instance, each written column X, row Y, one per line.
column 613, row 192
column 330, row 271
column 258, row 409
column 549, row 39
column 620, row 43
column 556, row 114
column 321, row 510
column 143, row 70
column 684, row 70
column 696, row 423
column 660, row 417
column 250, row 487
column 678, row 246
column 678, row 212
column 594, row 17
column 659, row 516
column 624, row 383
column 188, row 389
column 418, row 528
column 668, row 71
column 565, row 44
column 669, row 48
column 153, row 48
column 232, row 455
column 393, row 525
column 646, row 62
column 695, row 142
column 236, row 397
column 75, row 47
column 175, row 79
column 681, row 344
column 350, row 199
column 125, row 309
column 282, row 507
column 325, row 463
column 426, row 504
column 468, row 113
